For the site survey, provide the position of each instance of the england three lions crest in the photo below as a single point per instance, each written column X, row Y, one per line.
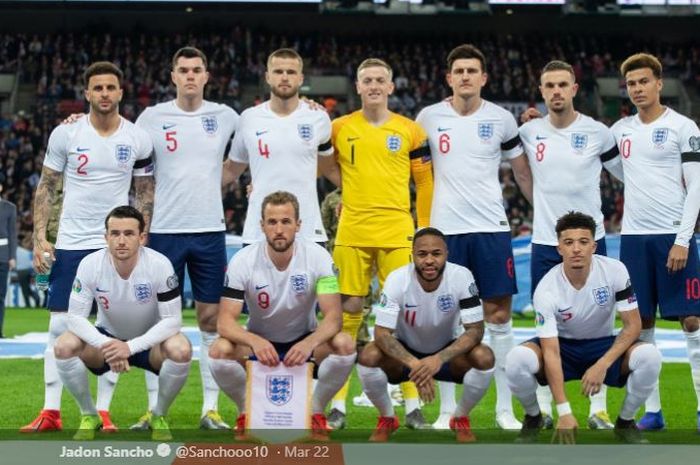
column 306, row 132
column 485, row 131
column 659, row 136
column 601, row 295
column 122, row 153
column 300, row 284
column 579, row 141
column 279, row 389
column 393, row 143
column 210, row 124
column 143, row 292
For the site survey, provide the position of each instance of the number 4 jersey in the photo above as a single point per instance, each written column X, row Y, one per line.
column 97, row 175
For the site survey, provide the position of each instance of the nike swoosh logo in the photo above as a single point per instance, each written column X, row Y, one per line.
column 443, row 129
column 81, row 149
column 625, row 134
column 168, row 126
column 260, row 133
column 257, row 288
column 350, row 139
column 411, row 306
column 562, row 310
column 540, row 137
column 100, row 290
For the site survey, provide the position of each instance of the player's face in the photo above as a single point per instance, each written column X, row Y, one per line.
column 429, row 257
column 189, row 76
column 558, row 90
column 466, row 78
column 103, row 93
column 280, row 226
column 576, row 247
column 123, row 237
column 643, row 87
column 284, row 77
column 374, row 86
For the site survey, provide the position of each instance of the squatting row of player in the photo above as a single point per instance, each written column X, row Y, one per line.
column 452, row 152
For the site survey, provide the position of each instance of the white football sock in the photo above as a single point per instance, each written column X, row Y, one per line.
column 521, row 367
column 332, row 374
column 73, row 373
column 501, row 342
column 544, row 399
column 645, row 366
column 374, row 382
column 476, row 383
column 231, row 378
column 151, row 389
column 599, row 402
column 105, row 389
column 171, row 380
column 448, row 403
column 210, row 390
column 692, row 341
column 53, row 387
column 653, row 402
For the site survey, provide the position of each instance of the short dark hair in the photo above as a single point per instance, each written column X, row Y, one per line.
column 126, row 211
column 575, row 220
column 429, row 231
column 285, row 53
column 465, row 51
column 640, row 61
column 558, row 65
column 280, row 198
column 102, row 67
column 189, row 52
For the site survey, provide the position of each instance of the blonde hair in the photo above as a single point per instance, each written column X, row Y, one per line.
column 640, row 61
column 375, row 62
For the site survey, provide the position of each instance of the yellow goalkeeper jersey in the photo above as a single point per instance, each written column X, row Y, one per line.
column 377, row 163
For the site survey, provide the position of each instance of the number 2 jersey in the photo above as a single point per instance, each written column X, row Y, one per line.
column 189, row 154
column 97, row 174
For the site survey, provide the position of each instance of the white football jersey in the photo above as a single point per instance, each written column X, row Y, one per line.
column 426, row 321
column 467, row 153
column 655, row 194
column 566, row 166
column 97, row 175
column 189, row 154
column 126, row 308
column 586, row 313
column 281, row 304
column 283, row 155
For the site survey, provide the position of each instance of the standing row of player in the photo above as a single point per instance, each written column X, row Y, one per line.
column 376, row 152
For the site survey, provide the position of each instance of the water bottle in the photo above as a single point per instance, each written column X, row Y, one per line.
column 42, row 279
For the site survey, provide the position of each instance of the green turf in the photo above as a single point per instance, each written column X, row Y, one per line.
column 22, row 396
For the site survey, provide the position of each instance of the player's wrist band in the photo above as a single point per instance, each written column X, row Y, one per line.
column 564, row 409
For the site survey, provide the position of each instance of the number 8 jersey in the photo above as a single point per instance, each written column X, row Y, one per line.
column 97, row 175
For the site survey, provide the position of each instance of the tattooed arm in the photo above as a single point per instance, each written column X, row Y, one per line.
column 45, row 196
column 470, row 338
column 385, row 340
column 144, row 188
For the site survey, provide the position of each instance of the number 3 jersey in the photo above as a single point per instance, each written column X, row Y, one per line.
column 189, row 155
column 586, row 313
column 97, row 175
column 426, row 321
column 282, row 304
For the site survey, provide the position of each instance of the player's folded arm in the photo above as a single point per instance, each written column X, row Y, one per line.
column 170, row 312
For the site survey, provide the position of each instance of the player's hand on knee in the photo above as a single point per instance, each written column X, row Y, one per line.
column 265, row 353
column 298, row 354
column 677, row 258
column 73, row 118
column 530, row 114
column 426, row 391
column 115, row 350
column 424, row 370
column 120, row 366
column 565, row 432
column 593, row 379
